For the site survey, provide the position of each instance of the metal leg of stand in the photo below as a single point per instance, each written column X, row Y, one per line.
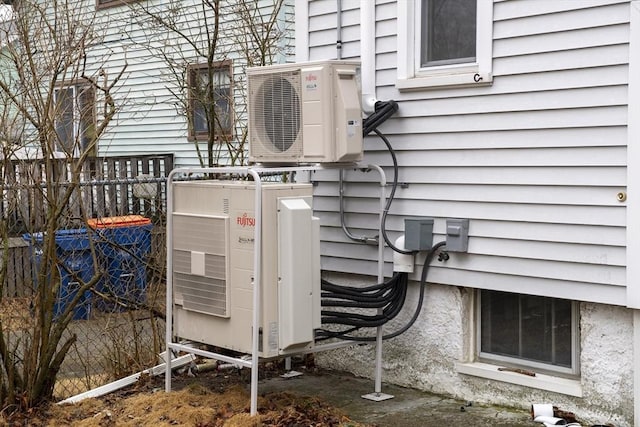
column 377, row 394
column 290, row 373
column 257, row 284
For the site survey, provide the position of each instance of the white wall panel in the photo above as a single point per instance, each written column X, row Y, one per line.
column 569, row 19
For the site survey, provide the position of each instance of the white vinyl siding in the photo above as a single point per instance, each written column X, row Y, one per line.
column 633, row 171
column 535, row 160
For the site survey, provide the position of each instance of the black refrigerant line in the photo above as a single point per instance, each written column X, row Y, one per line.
column 383, row 111
column 391, row 300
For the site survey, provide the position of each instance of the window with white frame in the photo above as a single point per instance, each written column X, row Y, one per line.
column 444, row 43
column 540, row 333
column 75, row 119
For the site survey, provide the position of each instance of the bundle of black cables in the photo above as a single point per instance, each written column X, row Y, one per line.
column 387, row 298
column 383, row 110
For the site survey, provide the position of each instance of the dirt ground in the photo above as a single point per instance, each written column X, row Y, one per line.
column 210, row 399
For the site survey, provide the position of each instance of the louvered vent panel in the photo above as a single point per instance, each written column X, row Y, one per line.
column 214, row 266
column 202, row 294
column 182, row 261
column 209, row 293
column 275, row 116
column 199, row 233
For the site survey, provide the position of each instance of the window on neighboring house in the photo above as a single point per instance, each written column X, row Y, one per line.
column 210, row 100
column 75, row 119
column 531, row 331
column 109, row 3
column 444, row 43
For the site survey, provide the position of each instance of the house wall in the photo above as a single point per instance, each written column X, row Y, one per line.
column 149, row 121
column 535, row 160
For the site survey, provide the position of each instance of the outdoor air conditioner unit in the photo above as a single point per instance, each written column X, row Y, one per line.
column 305, row 113
column 213, row 261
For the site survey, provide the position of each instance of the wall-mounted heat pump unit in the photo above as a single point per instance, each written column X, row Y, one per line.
column 305, row 113
column 213, row 261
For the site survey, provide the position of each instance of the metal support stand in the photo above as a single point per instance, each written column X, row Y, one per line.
column 252, row 362
column 377, row 394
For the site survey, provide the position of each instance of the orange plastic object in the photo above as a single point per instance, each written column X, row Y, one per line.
column 118, row 221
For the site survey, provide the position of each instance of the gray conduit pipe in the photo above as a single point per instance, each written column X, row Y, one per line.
column 362, row 239
column 373, row 240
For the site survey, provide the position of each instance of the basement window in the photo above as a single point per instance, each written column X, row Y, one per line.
column 529, row 332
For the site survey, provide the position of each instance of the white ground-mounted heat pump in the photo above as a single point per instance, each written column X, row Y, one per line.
column 213, row 261
column 305, row 113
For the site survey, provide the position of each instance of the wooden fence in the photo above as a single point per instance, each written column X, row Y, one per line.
column 110, row 186
column 19, row 276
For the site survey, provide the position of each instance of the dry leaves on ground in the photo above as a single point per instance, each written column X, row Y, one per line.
column 194, row 405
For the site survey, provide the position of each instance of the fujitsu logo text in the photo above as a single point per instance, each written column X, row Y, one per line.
column 245, row 220
column 311, row 77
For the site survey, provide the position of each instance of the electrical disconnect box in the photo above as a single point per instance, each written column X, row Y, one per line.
column 418, row 234
column 457, row 235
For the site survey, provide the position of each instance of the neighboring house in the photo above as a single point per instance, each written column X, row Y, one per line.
column 5, row 25
column 524, row 117
column 160, row 52
column 11, row 124
column 162, row 105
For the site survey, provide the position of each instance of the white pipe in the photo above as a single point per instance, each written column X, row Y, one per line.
column 368, row 54
column 323, row 347
column 302, row 30
column 338, row 29
column 131, row 379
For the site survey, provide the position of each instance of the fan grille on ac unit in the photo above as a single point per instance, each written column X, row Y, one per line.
column 206, row 293
column 275, row 114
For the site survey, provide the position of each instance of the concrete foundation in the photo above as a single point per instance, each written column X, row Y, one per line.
column 426, row 357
